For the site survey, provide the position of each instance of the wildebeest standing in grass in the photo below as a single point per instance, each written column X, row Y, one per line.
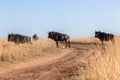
column 56, row 36
column 104, row 36
column 17, row 38
column 35, row 37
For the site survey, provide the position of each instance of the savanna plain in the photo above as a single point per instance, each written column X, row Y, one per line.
column 87, row 59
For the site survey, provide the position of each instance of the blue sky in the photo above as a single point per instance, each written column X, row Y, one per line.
column 78, row 18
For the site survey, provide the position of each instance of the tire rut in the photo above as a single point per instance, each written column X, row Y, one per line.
column 62, row 68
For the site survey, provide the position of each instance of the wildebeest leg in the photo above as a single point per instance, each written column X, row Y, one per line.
column 113, row 40
column 30, row 42
column 65, row 43
column 69, row 43
column 17, row 41
column 57, row 44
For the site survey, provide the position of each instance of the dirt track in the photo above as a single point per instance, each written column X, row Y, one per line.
column 60, row 67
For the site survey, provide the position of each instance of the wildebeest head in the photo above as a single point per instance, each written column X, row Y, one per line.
column 35, row 37
column 10, row 37
column 51, row 35
column 97, row 34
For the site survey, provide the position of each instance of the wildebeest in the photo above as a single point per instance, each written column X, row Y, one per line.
column 35, row 37
column 104, row 36
column 17, row 38
column 56, row 36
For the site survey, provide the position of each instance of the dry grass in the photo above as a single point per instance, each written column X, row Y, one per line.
column 10, row 52
column 104, row 65
column 85, row 40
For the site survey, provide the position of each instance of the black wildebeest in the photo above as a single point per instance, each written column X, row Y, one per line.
column 104, row 36
column 35, row 37
column 56, row 36
column 17, row 38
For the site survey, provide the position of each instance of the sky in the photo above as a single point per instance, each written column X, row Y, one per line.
column 77, row 18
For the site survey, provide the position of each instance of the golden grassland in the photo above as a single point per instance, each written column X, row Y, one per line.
column 104, row 64
column 10, row 52
column 85, row 40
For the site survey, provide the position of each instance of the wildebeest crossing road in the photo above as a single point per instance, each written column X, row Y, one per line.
column 56, row 36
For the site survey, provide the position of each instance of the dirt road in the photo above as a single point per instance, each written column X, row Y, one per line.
column 59, row 67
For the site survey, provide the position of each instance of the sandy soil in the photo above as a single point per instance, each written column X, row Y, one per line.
column 60, row 67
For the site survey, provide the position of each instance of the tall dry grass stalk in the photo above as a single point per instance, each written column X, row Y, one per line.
column 10, row 52
column 104, row 65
